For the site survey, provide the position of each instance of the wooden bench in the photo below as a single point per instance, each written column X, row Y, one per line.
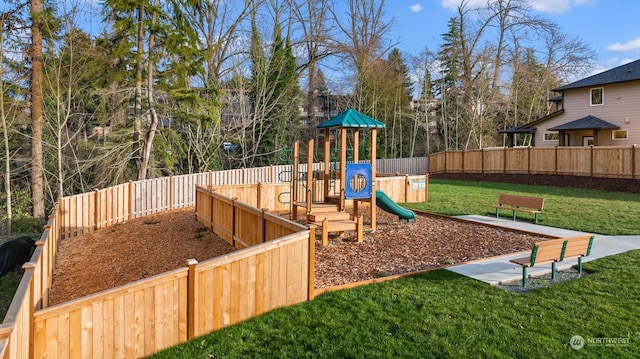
column 516, row 203
column 554, row 251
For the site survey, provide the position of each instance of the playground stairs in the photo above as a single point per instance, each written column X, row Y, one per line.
column 332, row 199
column 335, row 222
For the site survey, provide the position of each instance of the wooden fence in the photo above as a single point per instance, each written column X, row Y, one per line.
column 594, row 161
column 30, row 325
column 149, row 315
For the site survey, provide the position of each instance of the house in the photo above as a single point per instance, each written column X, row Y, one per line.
column 600, row 110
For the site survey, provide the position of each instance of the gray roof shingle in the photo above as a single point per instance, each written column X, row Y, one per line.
column 626, row 72
column 586, row 123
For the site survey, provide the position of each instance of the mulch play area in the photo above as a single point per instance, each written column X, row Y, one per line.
column 154, row 244
column 158, row 243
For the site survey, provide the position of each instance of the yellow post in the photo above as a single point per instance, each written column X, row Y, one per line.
column 191, row 298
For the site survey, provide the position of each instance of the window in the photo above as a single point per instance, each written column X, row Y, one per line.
column 551, row 136
column 619, row 135
column 597, row 96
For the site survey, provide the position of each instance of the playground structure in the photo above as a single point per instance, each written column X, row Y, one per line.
column 354, row 181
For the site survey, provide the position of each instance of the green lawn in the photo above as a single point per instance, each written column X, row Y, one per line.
column 603, row 212
column 444, row 315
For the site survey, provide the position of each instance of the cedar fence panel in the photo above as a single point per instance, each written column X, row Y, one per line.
column 222, row 216
column 573, row 161
column 111, row 206
column 76, row 214
column 617, row 162
column 15, row 331
column 404, row 189
column 596, row 161
column 130, row 321
column 471, row 161
column 248, row 225
column 250, row 282
column 438, row 163
column 183, row 189
column 493, row 160
column 150, row 196
column 542, row 160
column 517, row 160
column 454, row 161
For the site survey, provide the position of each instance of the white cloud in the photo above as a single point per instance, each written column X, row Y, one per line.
column 627, row 46
column 453, row 4
column 416, row 8
column 550, row 6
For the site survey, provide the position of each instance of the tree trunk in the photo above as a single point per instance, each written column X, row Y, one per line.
column 137, row 124
column 148, row 143
column 37, row 111
column 5, row 136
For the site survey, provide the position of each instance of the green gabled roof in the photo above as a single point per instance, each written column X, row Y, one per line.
column 352, row 119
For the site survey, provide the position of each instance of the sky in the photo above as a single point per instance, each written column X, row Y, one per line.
column 610, row 27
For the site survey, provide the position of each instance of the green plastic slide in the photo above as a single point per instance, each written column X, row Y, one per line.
column 387, row 204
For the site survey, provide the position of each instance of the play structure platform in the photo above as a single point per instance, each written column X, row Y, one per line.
column 342, row 179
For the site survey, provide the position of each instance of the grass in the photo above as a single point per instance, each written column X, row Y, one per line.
column 441, row 314
column 21, row 226
column 8, row 285
column 596, row 211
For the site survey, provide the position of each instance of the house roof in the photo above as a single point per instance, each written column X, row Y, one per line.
column 586, row 123
column 529, row 127
column 627, row 72
column 352, row 119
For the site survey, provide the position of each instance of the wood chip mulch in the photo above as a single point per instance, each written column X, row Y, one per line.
column 158, row 243
column 396, row 247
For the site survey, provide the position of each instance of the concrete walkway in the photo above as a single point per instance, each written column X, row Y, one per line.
column 499, row 270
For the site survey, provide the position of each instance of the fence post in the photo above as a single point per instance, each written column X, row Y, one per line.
column 556, row 159
column 633, row 161
column 312, row 262
column 233, row 221
column 259, row 194
column 463, row 168
column 504, row 160
column 211, row 203
column 591, row 162
column 191, row 299
column 263, row 224
column 130, row 200
column 426, row 187
column 30, row 266
column 529, row 160
column 406, row 188
column 170, row 192
column 482, row 159
column 96, row 210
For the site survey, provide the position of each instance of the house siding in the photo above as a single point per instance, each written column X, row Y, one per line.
column 621, row 107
